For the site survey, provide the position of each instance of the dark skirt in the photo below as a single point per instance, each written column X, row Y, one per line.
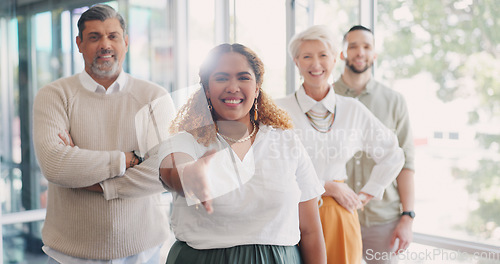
column 181, row 253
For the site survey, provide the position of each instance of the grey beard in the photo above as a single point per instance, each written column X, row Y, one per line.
column 97, row 69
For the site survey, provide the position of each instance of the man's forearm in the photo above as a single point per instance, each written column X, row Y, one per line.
column 406, row 189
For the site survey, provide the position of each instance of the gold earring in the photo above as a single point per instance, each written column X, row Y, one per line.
column 210, row 107
column 255, row 111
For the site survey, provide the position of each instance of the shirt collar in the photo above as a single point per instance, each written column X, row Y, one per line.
column 342, row 88
column 91, row 85
column 306, row 103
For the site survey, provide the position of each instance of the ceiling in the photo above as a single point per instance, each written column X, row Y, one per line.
column 9, row 8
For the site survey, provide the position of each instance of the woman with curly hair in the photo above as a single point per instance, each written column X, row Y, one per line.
column 233, row 152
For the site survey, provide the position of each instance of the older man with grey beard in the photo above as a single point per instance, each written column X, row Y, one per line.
column 103, row 200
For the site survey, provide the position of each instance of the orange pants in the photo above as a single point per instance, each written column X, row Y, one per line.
column 342, row 233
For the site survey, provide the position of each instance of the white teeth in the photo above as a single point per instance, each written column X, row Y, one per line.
column 106, row 56
column 233, row 101
column 316, row 73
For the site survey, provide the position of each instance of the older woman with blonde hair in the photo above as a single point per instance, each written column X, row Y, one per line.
column 245, row 190
column 333, row 128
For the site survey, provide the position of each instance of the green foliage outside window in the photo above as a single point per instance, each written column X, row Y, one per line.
column 458, row 43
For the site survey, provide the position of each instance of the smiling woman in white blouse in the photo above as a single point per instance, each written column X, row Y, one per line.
column 245, row 190
column 333, row 128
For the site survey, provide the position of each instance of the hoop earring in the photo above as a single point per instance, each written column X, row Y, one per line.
column 255, row 110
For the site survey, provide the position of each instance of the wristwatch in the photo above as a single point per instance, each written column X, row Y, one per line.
column 409, row 213
column 139, row 158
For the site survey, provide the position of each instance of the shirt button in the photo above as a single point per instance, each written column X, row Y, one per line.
column 358, row 183
column 358, row 162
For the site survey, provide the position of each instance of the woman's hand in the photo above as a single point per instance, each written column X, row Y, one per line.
column 195, row 182
column 344, row 195
column 365, row 198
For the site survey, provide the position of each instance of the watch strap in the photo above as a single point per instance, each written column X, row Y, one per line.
column 408, row 213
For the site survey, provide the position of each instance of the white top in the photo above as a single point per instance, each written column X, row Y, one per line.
column 354, row 129
column 263, row 209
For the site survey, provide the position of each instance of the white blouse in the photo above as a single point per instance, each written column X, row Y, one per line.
column 258, row 204
column 354, row 129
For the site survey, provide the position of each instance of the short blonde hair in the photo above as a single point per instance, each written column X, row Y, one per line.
column 317, row 32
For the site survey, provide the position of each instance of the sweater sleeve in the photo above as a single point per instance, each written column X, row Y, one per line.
column 381, row 144
column 143, row 179
column 70, row 167
column 138, row 181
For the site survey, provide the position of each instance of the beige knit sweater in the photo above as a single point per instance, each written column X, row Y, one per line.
column 82, row 223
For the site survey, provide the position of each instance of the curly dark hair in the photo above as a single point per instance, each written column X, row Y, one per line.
column 194, row 116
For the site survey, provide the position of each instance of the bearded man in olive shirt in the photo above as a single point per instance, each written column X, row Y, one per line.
column 386, row 225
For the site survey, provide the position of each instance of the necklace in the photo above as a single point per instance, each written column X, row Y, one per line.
column 241, row 139
column 320, row 122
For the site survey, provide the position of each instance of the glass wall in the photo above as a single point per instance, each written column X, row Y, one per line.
column 11, row 155
column 200, row 36
column 254, row 29
column 443, row 56
column 339, row 16
column 150, row 56
column 37, row 46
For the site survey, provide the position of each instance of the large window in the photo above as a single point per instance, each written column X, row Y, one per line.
column 260, row 25
column 339, row 16
column 37, row 46
column 443, row 56
column 150, row 42
column 201, row 35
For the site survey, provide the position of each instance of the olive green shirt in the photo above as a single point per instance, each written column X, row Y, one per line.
column 390, row 108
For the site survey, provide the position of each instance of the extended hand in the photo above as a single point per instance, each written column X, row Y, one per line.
column 195, row 181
